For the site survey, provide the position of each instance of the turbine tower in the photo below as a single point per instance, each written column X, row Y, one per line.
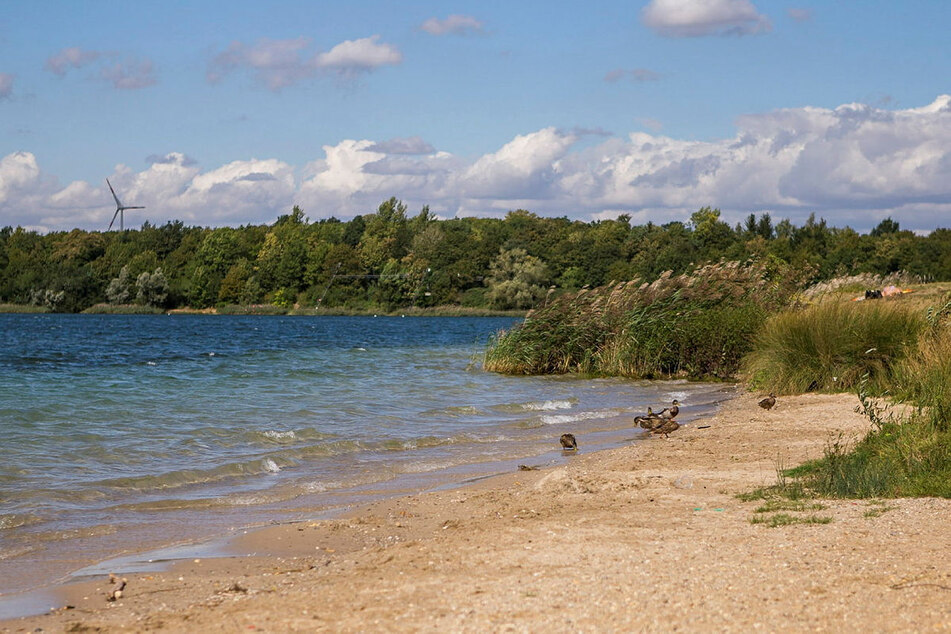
column 120, row 208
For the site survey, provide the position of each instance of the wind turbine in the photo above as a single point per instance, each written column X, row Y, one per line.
column 120, row 208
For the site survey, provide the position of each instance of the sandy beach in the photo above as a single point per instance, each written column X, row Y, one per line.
column 649, row 537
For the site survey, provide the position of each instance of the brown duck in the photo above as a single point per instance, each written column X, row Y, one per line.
column 669, row 413
column 666, row 427
column 568, row 442
column 649, row 421
column 768, row 402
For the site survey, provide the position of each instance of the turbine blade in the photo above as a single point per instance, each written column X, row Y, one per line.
column 114, row 218
column 118, row 204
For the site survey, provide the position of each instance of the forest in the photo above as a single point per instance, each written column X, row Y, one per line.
column 391, row 259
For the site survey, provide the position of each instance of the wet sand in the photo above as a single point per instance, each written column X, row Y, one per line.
column 649, row 537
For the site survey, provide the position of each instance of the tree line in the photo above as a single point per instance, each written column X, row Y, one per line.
column 391, row 259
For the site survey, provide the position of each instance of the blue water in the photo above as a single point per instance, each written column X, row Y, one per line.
column 119, row 433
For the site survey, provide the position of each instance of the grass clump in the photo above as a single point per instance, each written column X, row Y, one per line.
column 778, row 504
column 831, row 346
column 785, row 519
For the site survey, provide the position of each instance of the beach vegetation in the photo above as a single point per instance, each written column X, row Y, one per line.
column 785, row 519
column 698, row 324
column 832, row 346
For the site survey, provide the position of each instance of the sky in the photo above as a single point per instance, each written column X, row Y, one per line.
column 230, row 113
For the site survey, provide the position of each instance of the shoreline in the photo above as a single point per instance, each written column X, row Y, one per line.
column 648, row 537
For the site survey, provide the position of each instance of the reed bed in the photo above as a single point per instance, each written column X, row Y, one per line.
column 697, row 325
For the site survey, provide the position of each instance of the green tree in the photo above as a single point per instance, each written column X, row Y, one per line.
column 151, row 288
column 516, row 280
column 119, row 290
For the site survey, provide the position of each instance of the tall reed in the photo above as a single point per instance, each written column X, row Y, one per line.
column 696, row 325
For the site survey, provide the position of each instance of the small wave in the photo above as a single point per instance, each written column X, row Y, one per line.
column 537, row 406
column 548, row 406
column 15, row 551
column 451, row 412
column 561, row 419
column 425, row 442
column 16, row 520
column 186, row 477
column 279, row 435
column 98, row 530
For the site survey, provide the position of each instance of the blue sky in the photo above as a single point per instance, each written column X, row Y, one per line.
column 227, row 113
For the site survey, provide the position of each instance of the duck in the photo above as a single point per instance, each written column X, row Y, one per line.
column 768, row 402
column 669, row 413
column 648, row 421
column 666, row 428
column 568, row 442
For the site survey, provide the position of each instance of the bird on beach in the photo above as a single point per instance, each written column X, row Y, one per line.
column 666, row 428
column 649, row 421
column 568, row 442
column 768, row 402
column 669, row 413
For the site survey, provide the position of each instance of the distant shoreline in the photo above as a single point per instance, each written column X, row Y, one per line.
column 269, row 310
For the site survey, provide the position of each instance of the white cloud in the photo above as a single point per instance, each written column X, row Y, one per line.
column 277, row 64
column 454, row 24
column 694, row 18
column 525, row 167
column 6, row 85
column 71, row 57
column 358, row 56
column 854, row 164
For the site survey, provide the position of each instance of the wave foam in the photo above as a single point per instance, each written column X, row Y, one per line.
column 561, row 419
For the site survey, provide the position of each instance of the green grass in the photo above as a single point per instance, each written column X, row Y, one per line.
column 831, row 346
column 784, row 519
column 778, row 504
column 23, row 308
column 122, row 309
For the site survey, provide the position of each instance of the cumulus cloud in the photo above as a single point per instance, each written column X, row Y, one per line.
column 359, row 56
column 277, row 64
column 6, row 85
column 695, row 18
column 854, row 164
column 454, row 25
column 633, row 74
